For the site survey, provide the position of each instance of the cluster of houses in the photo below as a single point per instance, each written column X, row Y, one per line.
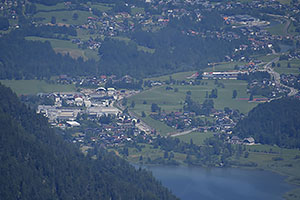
column 222, row 122
column 70, row 109
column 97, row 81
column 267, row 88
column 245, row 141
column 113, row 23
column 113, row 134
column 290, row 80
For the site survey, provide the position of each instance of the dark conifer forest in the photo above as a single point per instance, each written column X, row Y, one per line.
column 276, row 122
column 36, row 163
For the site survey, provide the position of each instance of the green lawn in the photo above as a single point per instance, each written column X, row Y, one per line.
column 266, row 58
column 224, row 66
column 35, row 86
column 197, row 137
column 283, row 69
column 42, row 7
column 66, row 46
column 139, row 47
column 55, row 43
column 277, row 29
column 65, row 17
column 152, row 153
column 176, row 76
column 169, row 100
column 160, row 127
column 285, row 1
column 101, row 6
column 145, row 49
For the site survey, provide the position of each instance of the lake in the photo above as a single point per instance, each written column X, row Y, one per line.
column 191, row 183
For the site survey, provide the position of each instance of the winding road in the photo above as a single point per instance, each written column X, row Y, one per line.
column 276, row 77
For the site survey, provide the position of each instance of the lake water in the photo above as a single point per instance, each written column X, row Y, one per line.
column 189, row 183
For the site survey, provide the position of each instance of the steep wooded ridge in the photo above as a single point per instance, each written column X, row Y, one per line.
column 24, row 59
column 276, row 122
column 36, row 163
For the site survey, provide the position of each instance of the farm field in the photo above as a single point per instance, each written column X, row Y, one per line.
column 277, row 29
column 149, row 152
column 66, row 46
column 55, row 43
column 197, row 137
column 284, row 69
column 169, row 100
column 25, row 87
column 65, row 17
column 41, row 7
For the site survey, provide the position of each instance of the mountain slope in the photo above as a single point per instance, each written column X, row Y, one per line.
column 35, row 163
column 277, row 122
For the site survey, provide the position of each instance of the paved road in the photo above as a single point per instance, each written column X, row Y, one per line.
column 276, row 77
column 182, row 133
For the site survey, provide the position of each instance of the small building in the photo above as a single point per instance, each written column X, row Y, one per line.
column 235, row 140
column 249, row 141
column 87, row 103
column 72, row 123
column 78, row 101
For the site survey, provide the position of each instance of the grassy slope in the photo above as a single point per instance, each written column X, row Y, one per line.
column 49, row 8
column 35, row 86
column 139, row 47
column 283, row 69
column 169, row 100
column 197, row 137
column 172, row 101
column 65, row 17
column 66, row 46
column 277, row 29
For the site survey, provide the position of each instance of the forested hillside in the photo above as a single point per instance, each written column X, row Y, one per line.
column 183, row 43
column 36, row 163
column 174, row 52
column 277, row 122
column 24, row 59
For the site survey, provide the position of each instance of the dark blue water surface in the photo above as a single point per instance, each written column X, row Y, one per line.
column 221, row 183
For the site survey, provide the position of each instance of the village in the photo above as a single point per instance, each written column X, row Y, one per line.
column 95, row 115
column 113, row 24
column 91, row 113
column 98, row 116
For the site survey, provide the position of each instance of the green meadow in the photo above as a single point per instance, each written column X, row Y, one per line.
column 284, row 69
column 139, row 47
column 55, row 43
column 169, row 100
column 41, row 7
column 277, row 29
column 149, row 152
column 66, row 46
column 65, row 17
column 197, row 137
column 25, row 87
column 100, row 6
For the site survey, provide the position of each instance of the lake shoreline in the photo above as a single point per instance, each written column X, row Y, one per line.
column 228, row 181
column 286, row 178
